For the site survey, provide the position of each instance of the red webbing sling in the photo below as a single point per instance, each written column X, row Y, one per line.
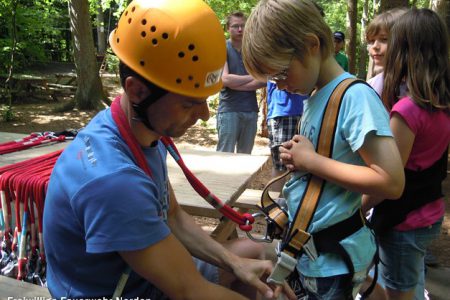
column 34, row 139
column 244, row 220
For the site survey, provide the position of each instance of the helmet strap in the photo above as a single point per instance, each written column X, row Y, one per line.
column 141, row 108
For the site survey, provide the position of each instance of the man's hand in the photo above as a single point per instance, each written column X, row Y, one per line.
column 254, row 273
column 297, row 153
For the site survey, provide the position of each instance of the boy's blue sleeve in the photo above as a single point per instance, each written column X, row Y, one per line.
column 362, row 112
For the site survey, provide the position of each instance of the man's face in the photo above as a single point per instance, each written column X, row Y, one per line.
column 338, row 45
column 173, row 114
column 236, row 28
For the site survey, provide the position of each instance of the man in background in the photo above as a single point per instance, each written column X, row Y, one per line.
column 237, row 114
column 339, row 44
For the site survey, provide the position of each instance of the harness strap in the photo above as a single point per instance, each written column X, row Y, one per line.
column 298, row 237
column 298, row 241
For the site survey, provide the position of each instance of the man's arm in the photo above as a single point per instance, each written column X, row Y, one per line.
column 240, row 82
column 169, row 266
column 202, row 246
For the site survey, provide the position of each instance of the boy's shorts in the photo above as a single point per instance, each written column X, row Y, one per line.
column 339, row 287
column 281, row 129
column 402, row 254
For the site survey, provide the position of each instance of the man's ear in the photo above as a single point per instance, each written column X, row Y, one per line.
column 135, row 89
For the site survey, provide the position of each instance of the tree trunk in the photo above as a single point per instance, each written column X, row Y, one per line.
column 351, row 31
column 89, row 92
column 101, row 38
column 8, row 114
column 362, row 67
column 442, row 7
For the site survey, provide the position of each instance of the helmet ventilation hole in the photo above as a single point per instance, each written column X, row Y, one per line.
column 143, row 34
column 179, row 80
column 126, row 13
column 142, row 63
column 144, row 21
column 197, row 85
column 118, row 40
column 133, row 9
column 129, row 20
column 195, row 58
column 191, row 77
column 154, row 41
column 165, row 35
column 181, row 54
column 153, row 28
column 191, row 47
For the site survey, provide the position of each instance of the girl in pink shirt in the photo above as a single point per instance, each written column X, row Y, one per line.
column 417, row 55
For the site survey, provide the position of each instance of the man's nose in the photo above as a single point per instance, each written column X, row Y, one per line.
column 203, row 111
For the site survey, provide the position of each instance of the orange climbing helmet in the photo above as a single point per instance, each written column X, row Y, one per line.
column 178, row 45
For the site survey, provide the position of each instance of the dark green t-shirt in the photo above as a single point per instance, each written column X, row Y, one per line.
column 342, row 60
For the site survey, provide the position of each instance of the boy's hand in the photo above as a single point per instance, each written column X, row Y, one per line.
column 297, row 153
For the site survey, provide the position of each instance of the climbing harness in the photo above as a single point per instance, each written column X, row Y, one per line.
column 294, row 236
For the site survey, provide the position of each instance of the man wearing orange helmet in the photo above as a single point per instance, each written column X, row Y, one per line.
column 112, row 225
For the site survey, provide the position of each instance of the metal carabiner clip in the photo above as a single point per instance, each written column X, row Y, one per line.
column 269, row 235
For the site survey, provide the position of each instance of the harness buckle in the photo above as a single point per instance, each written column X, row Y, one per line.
column 283, row 268
column 310, row 248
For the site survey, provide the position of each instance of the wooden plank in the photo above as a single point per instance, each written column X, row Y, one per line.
column 15, row 289
column 224, row 174
column 250, row 199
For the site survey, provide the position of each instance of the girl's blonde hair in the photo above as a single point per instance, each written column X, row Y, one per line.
column 276, row 30
column 418, row 54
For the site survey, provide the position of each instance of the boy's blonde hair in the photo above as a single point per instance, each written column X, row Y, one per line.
column 384, row 21
column 277, row 30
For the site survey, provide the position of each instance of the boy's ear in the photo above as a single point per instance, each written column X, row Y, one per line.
column 135, row 89
column 313, row 43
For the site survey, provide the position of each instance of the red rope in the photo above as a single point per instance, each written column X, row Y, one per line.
column 119, row 117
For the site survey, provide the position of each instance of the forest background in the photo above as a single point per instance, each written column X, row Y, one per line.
column 42, row 41
column 35, row 33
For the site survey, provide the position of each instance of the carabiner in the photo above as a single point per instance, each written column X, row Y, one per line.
column 267, row 238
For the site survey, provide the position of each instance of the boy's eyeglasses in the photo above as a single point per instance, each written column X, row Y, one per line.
column 237, row 26
column 280, row 76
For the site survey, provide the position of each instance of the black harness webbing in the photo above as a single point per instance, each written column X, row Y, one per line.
column 421, row 187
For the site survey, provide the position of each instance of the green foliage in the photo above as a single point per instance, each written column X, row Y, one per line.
column 7, row 113
column 41, row 32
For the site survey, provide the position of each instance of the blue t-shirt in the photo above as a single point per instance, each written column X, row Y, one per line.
column 100, row 202
column 361, row 113
column 282, row 103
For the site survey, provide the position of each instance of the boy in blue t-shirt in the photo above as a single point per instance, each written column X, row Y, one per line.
column 288, row 42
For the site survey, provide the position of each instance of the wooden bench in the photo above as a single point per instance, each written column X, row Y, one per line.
column 15, row 289
column 249, row 199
